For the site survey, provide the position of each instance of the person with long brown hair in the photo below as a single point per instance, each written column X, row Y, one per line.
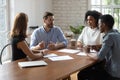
column 20, row 48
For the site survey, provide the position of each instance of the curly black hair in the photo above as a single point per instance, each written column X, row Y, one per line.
column 94, row 14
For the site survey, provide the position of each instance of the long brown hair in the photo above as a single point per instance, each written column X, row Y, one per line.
column 20, row 25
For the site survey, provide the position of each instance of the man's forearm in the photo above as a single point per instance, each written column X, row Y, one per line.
column 60, row 45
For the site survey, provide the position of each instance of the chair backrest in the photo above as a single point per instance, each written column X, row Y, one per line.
column 1, row 53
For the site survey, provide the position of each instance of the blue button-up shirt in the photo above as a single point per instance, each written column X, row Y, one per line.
column 55, row 35
column 111, row 52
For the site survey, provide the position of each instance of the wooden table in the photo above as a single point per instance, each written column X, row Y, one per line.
column 55, row 70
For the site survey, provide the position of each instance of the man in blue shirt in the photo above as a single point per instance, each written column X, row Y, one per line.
column 48, row 36
column 110, row 49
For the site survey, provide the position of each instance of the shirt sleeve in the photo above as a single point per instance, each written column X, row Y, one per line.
column 80, row 38
column 106, row 47
column 61, row 37
column 33, row 41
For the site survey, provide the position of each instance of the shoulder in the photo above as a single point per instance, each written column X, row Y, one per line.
column 38, row 29
column 56, row 28
column 15, row 40
column 113, row 32
column 112, row 35
column 86, row 29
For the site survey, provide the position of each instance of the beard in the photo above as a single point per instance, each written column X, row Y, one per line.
column 50, row 26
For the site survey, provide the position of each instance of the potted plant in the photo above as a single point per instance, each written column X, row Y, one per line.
column 76, row 30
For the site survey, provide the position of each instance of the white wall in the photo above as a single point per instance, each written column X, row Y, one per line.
column 67, row 12
column 33, row 8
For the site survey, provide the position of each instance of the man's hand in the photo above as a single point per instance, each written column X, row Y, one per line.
column 51, row 46
column 41, row 45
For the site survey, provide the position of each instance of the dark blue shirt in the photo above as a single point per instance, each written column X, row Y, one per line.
column 17, row 53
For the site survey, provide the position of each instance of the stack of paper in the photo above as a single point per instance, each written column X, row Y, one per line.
column 59, row 58
column 32, row 63
column 72, row 51
column 50, row 55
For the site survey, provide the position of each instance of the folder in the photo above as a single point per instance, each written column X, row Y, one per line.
column 32, row 63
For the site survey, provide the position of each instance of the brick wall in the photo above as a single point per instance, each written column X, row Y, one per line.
column 69, row 12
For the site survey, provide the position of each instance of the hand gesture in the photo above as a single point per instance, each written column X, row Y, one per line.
column 51, row 45
column 42, row 45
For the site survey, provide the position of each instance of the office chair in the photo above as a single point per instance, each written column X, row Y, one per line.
column 1, row 53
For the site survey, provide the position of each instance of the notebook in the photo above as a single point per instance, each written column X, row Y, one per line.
column 32, row 63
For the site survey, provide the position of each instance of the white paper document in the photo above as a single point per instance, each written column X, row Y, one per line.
column 72, row 51
column 50, row 55
column 59, row 58
column 82, row 54
column 32, row 63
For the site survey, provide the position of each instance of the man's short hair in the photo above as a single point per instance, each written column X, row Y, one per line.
column 108, row 20
column 46, row 14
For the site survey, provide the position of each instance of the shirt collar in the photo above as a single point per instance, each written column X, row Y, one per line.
column 110, row 31
column 45, row 30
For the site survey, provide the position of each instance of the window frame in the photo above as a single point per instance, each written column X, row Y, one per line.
column 112, row 7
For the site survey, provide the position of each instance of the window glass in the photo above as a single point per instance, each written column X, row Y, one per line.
column 3, row 33
column 106, row 2
column 2, row 2
column 2, row 14
column 109, row 7
column 97, row 8
column 95, row 2
column 117, row 2
column 106, row 10
column 117, row 17
column 2, row 19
